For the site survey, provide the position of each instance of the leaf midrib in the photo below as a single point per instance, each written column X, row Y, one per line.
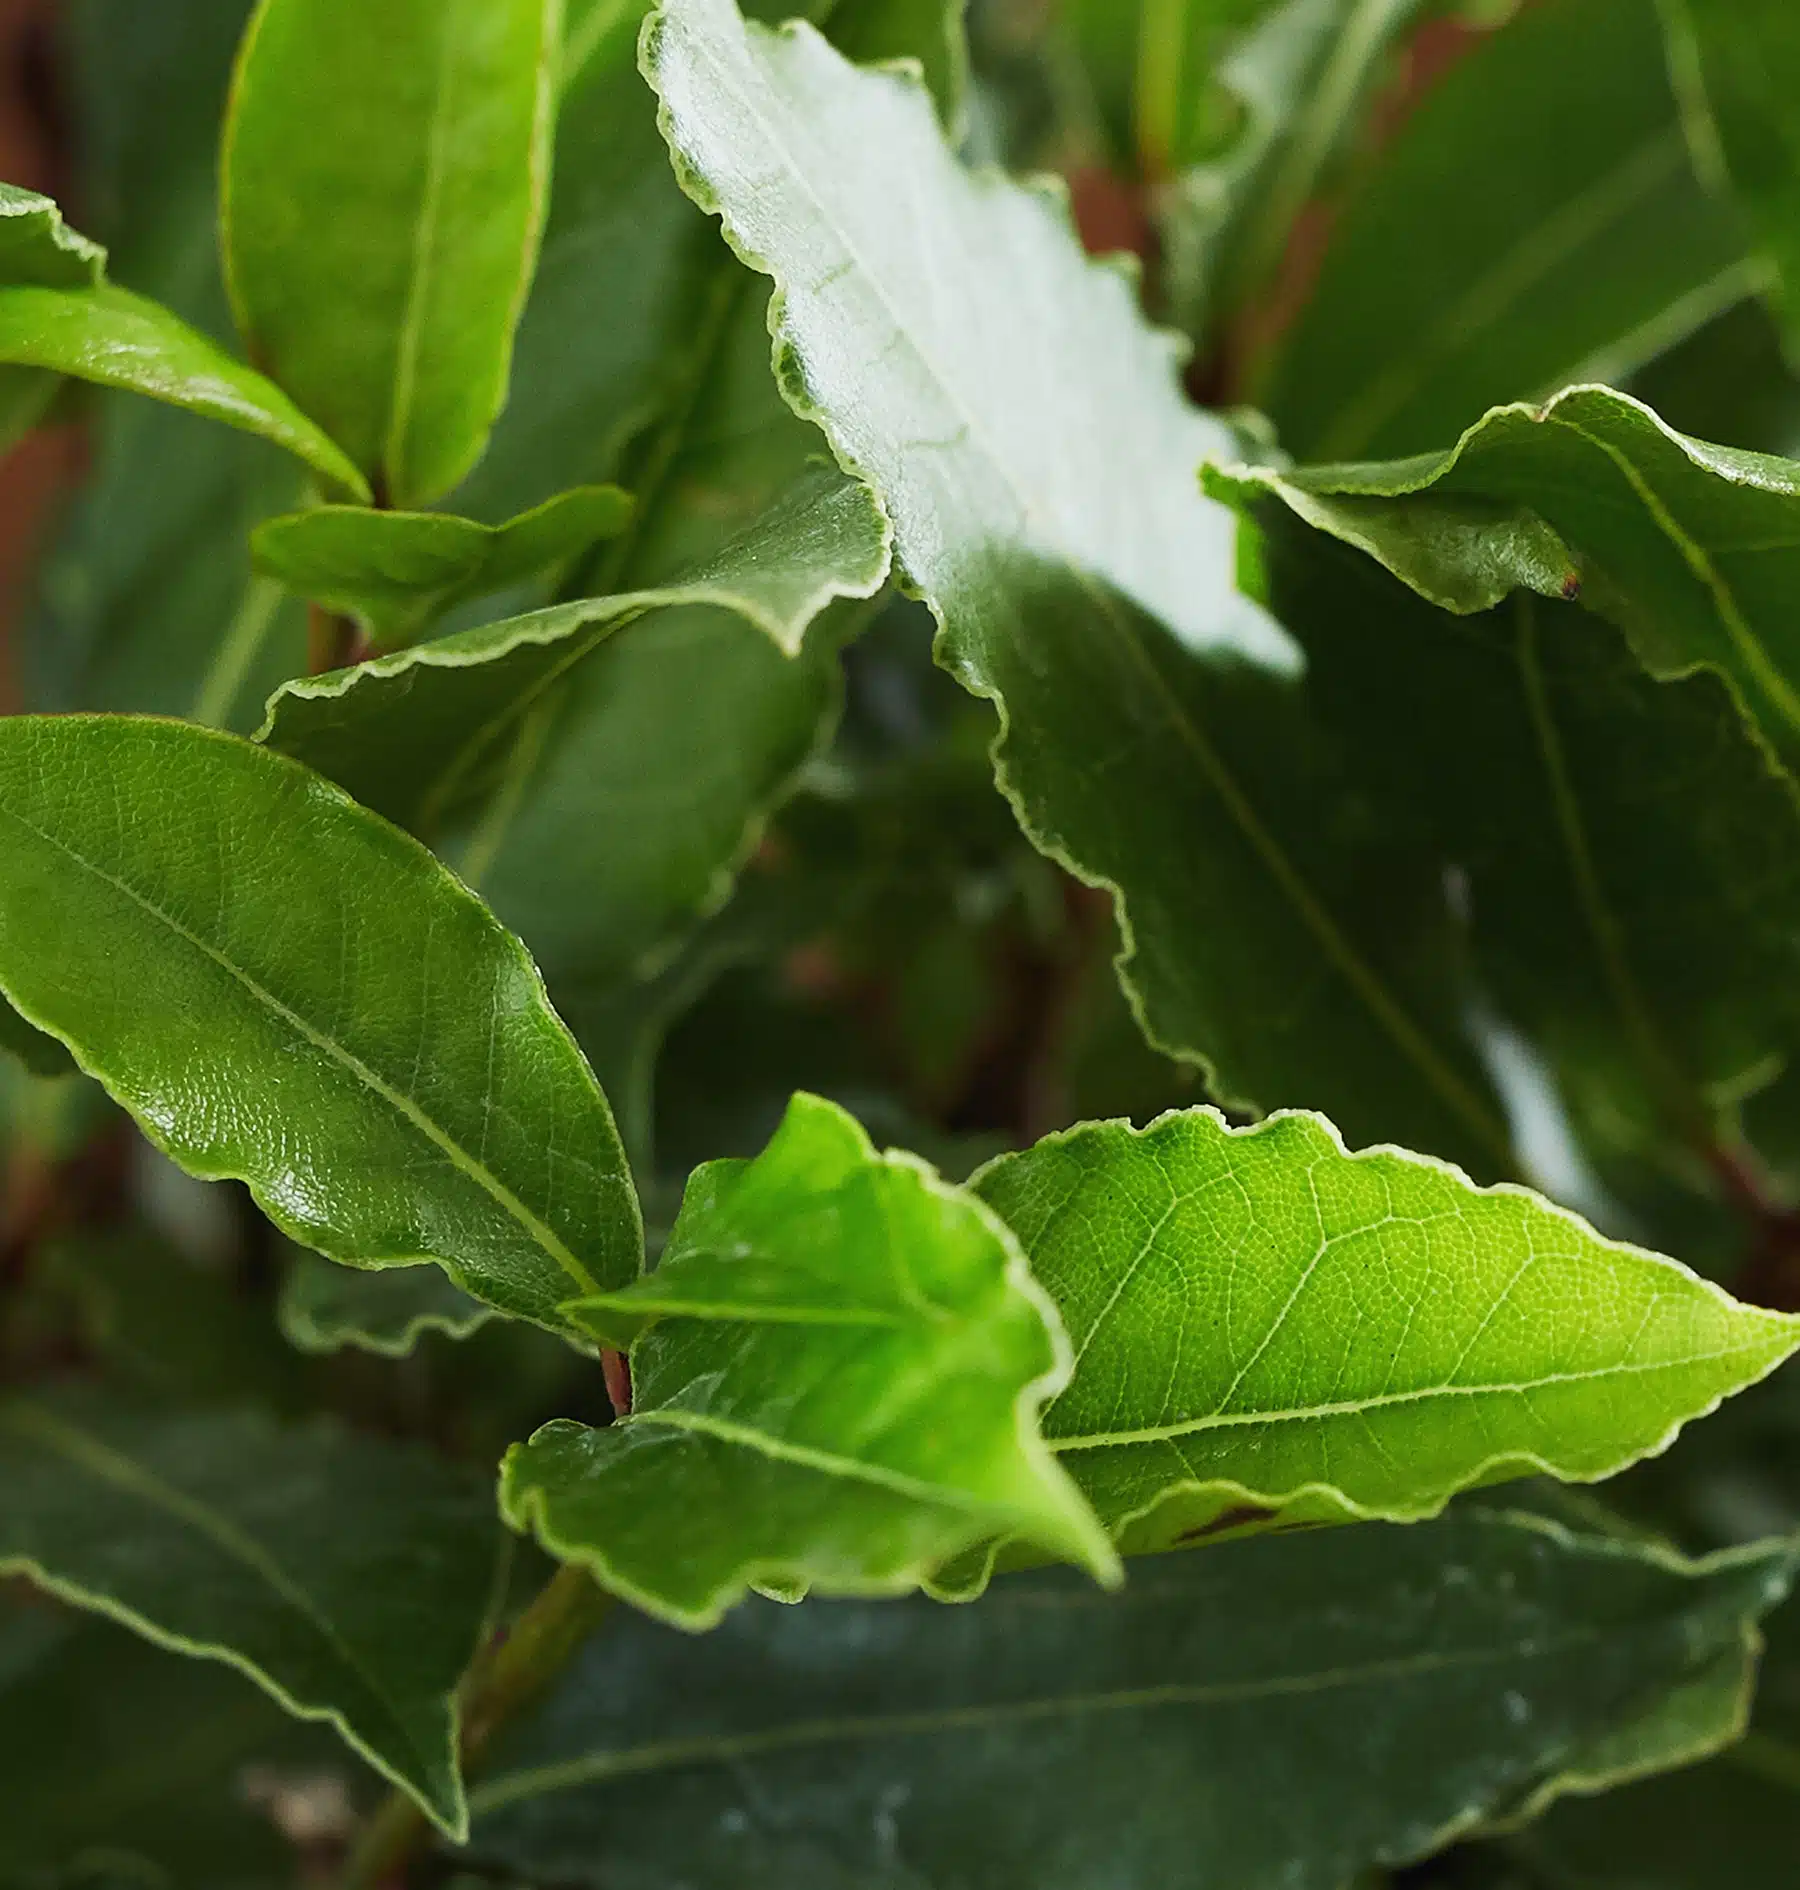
column 403, row 1105
column 1359, row 1407
column 598, row 1768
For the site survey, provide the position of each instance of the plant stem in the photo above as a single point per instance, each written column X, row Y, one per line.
column 332, row 642
column 513, row 1670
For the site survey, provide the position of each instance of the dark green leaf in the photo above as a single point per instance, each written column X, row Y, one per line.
column 395, row 571
column 836, row 1386
column 383, row 185
column 325, row 1307
column 118, row 1753
column 1395, row 1685
column 1728, row 1821
column 1634, row 894
column 1537, row 222
column 114, row 338
column 1043, row 501
column 284, row 989
column 1269, row 1330
column 352, row 1580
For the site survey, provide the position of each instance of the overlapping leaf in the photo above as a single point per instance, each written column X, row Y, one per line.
column 325, row 1308
column 836, row 1373
column 1269, row 1330
column 1129, row 1737
column 383, row 184
column 284, row 989
column 397, row 570
column 1532, row 225
column 1634, row 894
column 1026, row 435
column 1693, row 550
column 352, row 1580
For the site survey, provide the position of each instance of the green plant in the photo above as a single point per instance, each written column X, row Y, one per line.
column 489, row 802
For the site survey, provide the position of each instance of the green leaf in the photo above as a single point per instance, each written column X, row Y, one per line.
column 383, row 185
column 396, row 571
column 836, row 1375
column 424, row 733
column 285, row 990
column 116, row 339
column 1026, row 434
column 41, row 1055
column 1536, row 222
column 1270, row 1330
column 113, row 1749
column 325, row 1308
column 38, row 247
column 1691, row 549
column 146, row 601
column 1398, row 1683
column 352, row 1580
column 1674, row 1833
column 1735, row 67
column 1634, row 894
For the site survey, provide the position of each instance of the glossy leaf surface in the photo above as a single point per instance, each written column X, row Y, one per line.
column 114, row 338
column 1532, row 225
column 350, row 1579
column 836, row 1375
column 1268, row 1329
column 284, row 989
column 1043, row 501
column 1129, row 1738
column 325, row 1308
column 384, row 179
column 1691, row 549
column 395, row 571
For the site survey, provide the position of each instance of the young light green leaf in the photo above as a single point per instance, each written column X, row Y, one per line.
column 283, row 989
column 39, row 248
column 1271, row 1330
column 1152, row 737
column 1736, row 64
column 383, row 184
column 422, row 734
column 325, row 1307
column 1693, row 550
column 836, row 1375
column 116, row 339
column 396, row 571
column 352, row 1580
column 1530, row 226
column 1129, row 1738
